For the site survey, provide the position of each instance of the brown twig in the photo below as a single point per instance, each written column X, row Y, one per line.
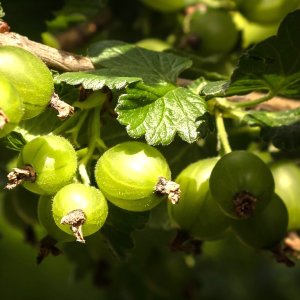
column 54, row 58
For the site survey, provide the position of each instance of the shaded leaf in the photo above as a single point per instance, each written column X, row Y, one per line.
column 283, row 137
column 281, row 128
column 128, row 60
column 42, row 124
column 119, row 227
column 272, row 65
column 14, row 141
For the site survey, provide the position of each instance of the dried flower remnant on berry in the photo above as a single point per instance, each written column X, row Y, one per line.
column 76, row 218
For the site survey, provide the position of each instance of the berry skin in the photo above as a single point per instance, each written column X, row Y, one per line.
column 88, row 201
column 287, row 178
column 46, row 219
column 212, row 31
column 197, row 213
column 266, row 228
column 11, row 107
column 128, row 173
column 53, row 160
column 266, row 11
column 242, row 184
column 30, row 76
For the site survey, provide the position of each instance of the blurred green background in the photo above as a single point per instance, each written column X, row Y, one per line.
column 225, row 270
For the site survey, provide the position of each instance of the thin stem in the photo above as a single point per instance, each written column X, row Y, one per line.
column 222, row 134
column 76, row 129
column 81, row 152
column 94, row 133
column 94, row 142
column 67, row 124
column 245, row 129
column 262, row 99
column 101, row 146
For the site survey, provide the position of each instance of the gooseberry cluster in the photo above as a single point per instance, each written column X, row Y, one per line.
column 47, row 164
column 240, row 193
column 210, row 197
column 236, row 192
column 132, row 175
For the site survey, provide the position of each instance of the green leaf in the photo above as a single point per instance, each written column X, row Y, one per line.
column 97, row 79
column 214, row 88
column 14, row 141
column 113, row 132
column 119, row 64
column 273, row 119
column 281, row 128
column 119, row 227
column 272, row 65
column 42, row 124
column 27, row 130
column 161, row 111
column 196, row 86
column 72, row 12
column 201, row 65
column 128, row 60
column 283, row 137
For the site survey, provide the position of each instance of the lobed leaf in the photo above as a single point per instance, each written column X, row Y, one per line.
column 161, row 111
column 119, row 64
column 96, row 79
column 273, row 119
